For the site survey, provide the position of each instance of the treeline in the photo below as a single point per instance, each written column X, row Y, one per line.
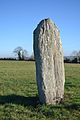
column 72, row 59
column 7, row 58
column 67, row 59
column 16, row 59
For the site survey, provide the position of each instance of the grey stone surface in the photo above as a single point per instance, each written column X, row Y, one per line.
column 48, row 55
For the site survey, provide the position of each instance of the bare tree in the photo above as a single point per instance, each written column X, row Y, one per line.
column 21, row 53
column 76, row 54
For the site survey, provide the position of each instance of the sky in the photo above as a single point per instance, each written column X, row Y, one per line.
column 19, row 18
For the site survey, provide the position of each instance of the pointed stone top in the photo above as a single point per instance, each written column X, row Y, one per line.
column 48, row 21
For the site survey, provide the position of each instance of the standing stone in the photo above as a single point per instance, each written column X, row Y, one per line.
column 48, row 55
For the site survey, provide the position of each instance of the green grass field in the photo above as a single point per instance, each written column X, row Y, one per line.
column 19, row 96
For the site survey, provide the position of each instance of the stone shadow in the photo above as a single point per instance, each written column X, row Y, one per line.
column 34, row 101
column 73, row 106
column 20, row 100
column 70, row 106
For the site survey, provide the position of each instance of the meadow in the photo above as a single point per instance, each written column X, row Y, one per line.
column 19, row 95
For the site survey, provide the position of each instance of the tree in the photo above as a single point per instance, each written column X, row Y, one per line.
column 67, row 60
column 76, row 56
column 74, row 60
column 21, row 53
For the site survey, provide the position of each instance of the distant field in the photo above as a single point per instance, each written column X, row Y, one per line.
column 19, row 96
